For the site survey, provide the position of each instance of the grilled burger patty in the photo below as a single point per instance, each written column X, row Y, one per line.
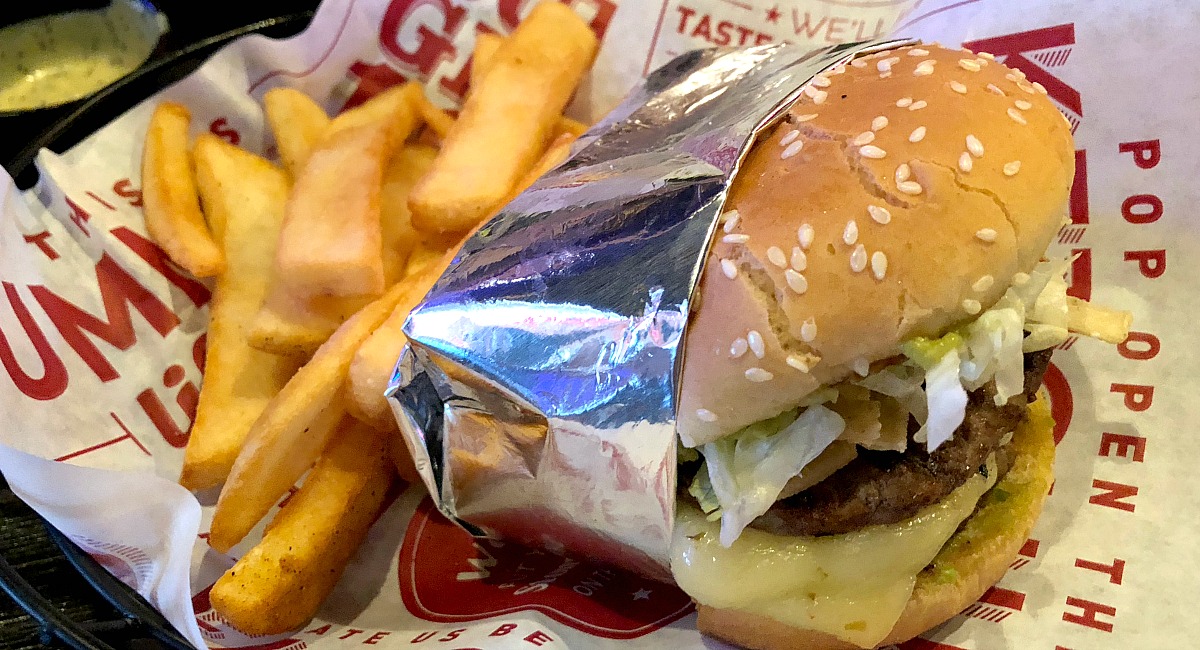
column 885, row 487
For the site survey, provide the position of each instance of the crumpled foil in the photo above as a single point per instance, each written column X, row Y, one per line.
column 538, row 389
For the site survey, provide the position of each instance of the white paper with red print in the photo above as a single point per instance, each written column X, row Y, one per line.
column 101, row 340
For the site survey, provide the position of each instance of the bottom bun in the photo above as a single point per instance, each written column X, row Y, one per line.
column 973, row 560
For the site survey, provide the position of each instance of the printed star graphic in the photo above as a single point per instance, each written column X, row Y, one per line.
column 641, row 594
column 773, row 14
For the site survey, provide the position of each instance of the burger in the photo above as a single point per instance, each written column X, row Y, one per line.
column 863, row 445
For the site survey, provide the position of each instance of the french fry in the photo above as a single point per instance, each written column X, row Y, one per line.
column 331, row 240
column 296, row 325
column 246, row 194
column 570, row 126
column 374, row 360
column 486, row 44
column 435, row 118
column 507, row 120
column 557, row 153
column 171, row 203
column 297, row 123
column 280, row 583
column 403, row 171
column 289, row 435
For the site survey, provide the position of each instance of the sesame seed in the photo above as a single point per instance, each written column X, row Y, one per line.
column 916, row 106
column 903, row 172
column 758, row 375
column 792, row 149
column 971, row 306
column 850, row 234
column 858, row 259
column 987, row 55
column 993, row 88
column 984, row 283
column 916, row 51
column 880, row 215
column 808, row 330
column 924, row 68
column 821, row 81
column 879, row 264
column 799, row 259
column 910, row 187
column 1020, row 278
column 986, row 234
column 885, row 74
column 958, row 87
column 1016, row 116
column 731, row 220
column 804, row 118
column 885, row 65
column 838, row 70
column 738, row 347
column 790, row 137
column 795, row 281
column 1019, row 73
column 776, row 256
column 964, row 162
column 737, row 238
column 729, row 269
column 861, row 367
column 871, row 151
column 866, row 137
column 819, row 97
column 706, row 415
column 1011, row 76
column 1011, row 168
column 1026, row 87
column 878, row 123
column 1023, row 104
column 974, row 146
column 981, row 61
column 755, row 341
column 917, row 135
column 904, row 102
column 1039, row 87
column 805, row 234
column 859, row 63
column 970, row 65
column 798, row 363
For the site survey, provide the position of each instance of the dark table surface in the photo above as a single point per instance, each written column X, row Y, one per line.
column 24, row 543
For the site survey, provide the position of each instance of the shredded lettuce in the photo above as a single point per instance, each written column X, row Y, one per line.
column 701, row 488
column 946, row 399
column 749, row 469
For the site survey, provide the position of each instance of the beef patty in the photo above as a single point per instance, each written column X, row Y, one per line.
column 884, row 487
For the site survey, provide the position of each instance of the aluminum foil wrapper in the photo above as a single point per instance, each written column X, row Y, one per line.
column 538, row 390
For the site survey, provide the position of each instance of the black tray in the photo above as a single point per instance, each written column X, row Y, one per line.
column 58, row 597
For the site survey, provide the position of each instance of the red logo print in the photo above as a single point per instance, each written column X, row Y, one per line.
column 446, row 576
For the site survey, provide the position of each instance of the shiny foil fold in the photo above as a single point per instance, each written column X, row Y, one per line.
column 538, row 390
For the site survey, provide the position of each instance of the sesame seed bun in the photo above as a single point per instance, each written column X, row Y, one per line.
column 971, row 561
column 989, row 162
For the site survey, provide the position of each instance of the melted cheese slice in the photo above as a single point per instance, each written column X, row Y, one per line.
column 852, row 586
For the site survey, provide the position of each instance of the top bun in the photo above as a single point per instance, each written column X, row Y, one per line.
column 896, row 199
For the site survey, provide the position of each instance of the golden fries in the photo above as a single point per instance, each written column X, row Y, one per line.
column 331, row 240
column 246, row 194
column 323, row 260
column 372, row 365
column 172, row 206
column 289, row 435
column 435, row 118
column 507, row 120
column 279, row 585
column 297, row 123
column 486, row 44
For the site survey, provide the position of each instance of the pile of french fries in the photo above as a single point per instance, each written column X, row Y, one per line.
column 317, row 264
